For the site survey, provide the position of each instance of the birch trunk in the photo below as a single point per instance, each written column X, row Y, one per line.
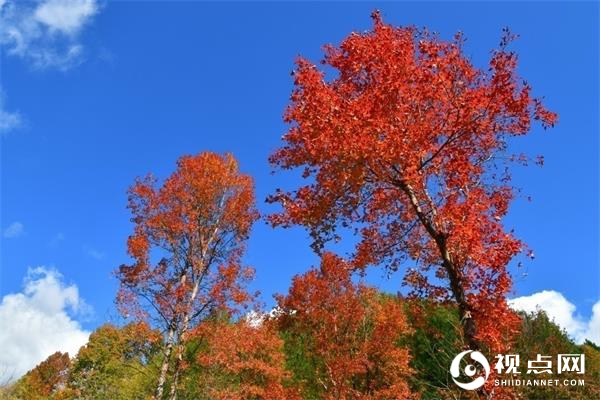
column 165, row 364
column 181, row 342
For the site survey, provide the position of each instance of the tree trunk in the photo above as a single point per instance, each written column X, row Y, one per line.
column 173, row 392
column 181, row 342
column 165, row 364
column 454, row 274
column 468, row 325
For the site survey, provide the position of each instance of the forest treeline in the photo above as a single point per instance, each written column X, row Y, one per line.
column 402, row 144
column 285, row 357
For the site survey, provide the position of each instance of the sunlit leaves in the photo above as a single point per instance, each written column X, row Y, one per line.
column 407, row 142
column 188, row 237
column 350, row 334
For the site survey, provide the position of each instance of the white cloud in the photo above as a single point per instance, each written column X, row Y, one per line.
column 593, row 328
column 9, row 120
column 67, row 16
column 256, row 318
column 37, row 322
column 563, row 312
column 46, row 33
column 14, row 230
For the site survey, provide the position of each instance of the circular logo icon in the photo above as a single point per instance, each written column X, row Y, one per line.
column 470, row 370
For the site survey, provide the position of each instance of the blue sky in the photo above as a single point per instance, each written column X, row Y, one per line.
column 134, row 85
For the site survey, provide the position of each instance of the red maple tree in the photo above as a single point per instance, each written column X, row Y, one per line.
column 47, row 380
column 407, row 143
column 352, row 333
column 188, row 237
column 244, row 360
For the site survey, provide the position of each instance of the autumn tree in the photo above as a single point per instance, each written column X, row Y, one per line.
column 46, row 380
column 116, row 363
column 349, row 332
column 406, row 141
column 243, row 361
column 189, row 234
